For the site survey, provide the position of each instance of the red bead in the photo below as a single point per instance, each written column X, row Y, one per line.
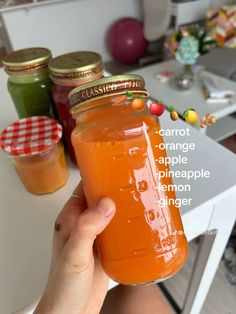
column 156, row 109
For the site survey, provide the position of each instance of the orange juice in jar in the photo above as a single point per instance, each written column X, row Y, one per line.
column 116, row 150
column 34, row 147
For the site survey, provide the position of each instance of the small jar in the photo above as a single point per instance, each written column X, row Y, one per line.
column 116, row 142
column 68, row 71
column 29, row 84
column 34, row 146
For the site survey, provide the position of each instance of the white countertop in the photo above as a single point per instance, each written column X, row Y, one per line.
column 27, row 221
column 187, row 99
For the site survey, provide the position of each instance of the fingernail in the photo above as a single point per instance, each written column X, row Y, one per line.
column 106, row 206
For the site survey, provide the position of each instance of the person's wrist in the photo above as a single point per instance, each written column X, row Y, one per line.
column 47, row 306
column 44, row 308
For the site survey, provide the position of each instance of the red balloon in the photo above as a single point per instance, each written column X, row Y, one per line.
column 125, row 40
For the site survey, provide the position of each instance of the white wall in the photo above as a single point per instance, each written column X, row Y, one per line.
column 67, row 26
column 219, row 3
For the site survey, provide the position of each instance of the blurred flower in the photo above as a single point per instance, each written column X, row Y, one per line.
column 188, row 50
column 188, row 43
column 184, row 32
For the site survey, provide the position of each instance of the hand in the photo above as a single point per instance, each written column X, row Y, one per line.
column 77, row 282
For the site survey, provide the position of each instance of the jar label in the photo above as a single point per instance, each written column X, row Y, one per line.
column 109, row 88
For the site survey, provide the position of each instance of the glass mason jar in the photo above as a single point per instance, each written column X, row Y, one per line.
column 116, row 145
column 40, row 162
column 67, row 72
column 29, row 84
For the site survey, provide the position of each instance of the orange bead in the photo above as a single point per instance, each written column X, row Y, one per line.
column 138, row 104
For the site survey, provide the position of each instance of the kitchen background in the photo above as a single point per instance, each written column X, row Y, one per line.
column 16, row 14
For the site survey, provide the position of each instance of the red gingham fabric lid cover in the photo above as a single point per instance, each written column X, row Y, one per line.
column 30, row 136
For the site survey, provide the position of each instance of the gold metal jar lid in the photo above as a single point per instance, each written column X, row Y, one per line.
column 27, row 60
column 112, row 85
column 76, row 68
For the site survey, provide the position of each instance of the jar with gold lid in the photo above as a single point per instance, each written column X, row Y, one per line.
column 29, row 84
column 117, row 144
column 68, row 71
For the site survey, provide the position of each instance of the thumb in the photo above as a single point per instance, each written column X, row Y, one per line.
column 78, row 251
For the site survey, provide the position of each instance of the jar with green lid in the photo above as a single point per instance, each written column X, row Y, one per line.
column 68, row 71
column 29, row 84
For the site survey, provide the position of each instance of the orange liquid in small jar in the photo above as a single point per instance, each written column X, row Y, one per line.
column 116, row 152
column 43, row 173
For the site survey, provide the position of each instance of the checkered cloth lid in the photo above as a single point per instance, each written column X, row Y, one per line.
column 30, row 136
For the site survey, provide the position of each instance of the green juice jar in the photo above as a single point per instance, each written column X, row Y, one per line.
column 29, row 84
